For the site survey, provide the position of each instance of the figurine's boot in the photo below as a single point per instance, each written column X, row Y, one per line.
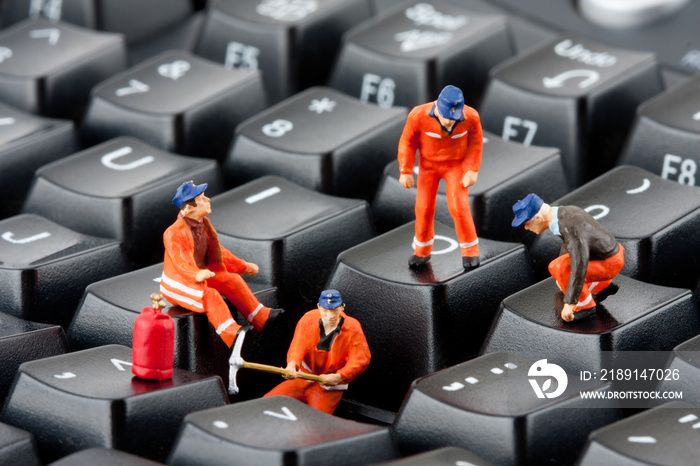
column 470, row 255
column 421, row 256
column 416, row 262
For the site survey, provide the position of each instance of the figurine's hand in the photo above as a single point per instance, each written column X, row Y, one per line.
column 469, row 178
column 567, row 313
column 406, row 181
column 250, row 269
column 291, row 370
column 331, row 380
column 203, row 275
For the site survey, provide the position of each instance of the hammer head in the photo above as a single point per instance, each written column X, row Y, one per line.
column 236, row 361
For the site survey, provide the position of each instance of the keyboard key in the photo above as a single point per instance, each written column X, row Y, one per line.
column 487, row 406
column 574, row 94
column 293, row 43
column 448, row 456
column 666, row 135
column 406, row 57
column 134, row 19
column 48, row 68
column 686, row 361
column 109, row 308
column 123, row 189
column 22, row 341
column 664, row 435
column 293, row 234
column 17, row 447
column 45, row 267
column 175, row 101
column 439, row 315
column 655, row 220
column 91, row 399
column 508, row 171
column 103, row 457
column 26, row 143
column 276, row 431
column 320, row 139
column 625, row 313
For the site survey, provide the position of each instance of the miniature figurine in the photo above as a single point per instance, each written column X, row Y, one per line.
column 448, row 136
column 591, row 257
column 154, row 342
column 330, row 344
column 197, row 270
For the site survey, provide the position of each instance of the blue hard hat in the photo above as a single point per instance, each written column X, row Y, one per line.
column 330, row 299
column 526, row 209
column 188, row 191
column 450, row 103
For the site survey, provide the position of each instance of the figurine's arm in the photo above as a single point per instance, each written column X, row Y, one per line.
column 235, row 265
column 578, row 254
column 472, row 159
column 358, row 358
column 408, row 145
column 181, row 254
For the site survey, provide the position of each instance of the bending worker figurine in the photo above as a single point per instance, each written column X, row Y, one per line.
column 591, row 256
column 197, row 270
column 329, row 343
column 448, row 136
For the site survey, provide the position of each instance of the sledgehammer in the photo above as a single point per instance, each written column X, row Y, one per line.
column 236, row 362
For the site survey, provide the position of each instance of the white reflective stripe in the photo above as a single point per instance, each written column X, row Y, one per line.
column 224, row 326
column 592, row 286
column 433, row 135
column 183, row 299
column 456, row 136
column 427, row 243
column 303, row 365
column 336, row 387
column 254, row 313
column 179, row 286
column 585, row 301
column 468, row 245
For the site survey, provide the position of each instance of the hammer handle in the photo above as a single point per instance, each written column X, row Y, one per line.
column 278, row 370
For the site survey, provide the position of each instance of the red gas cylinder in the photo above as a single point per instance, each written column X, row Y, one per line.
column 154, row 342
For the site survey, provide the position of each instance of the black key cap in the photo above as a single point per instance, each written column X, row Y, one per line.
column 293, row 43
column 320, row 139
column 622, row 322
column 405, row 58
column 175, row 101
column 91, row 399
column 109, row 307
column 654, row 219
column 135, row 19
column 508, row 171
column 26, row 143
column 48, row 67
column 487, row 406
column 103, row 457
column 573, row 94
column 45, row 267
column 17, row 447
column 666, row 135
column 685, row 361
column 426, row 320
column 123, row 190
column 667, row 434
column 277, row 431
column 22, row 341
column 293, row 234
column 448, row 456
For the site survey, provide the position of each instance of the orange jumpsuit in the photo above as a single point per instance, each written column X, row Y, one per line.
column 447, row 155
column 348, row 355
column 179, row 286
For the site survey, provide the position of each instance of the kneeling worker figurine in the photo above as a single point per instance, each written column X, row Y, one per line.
column 591, row 257
column 447, row 135
column 330, row 344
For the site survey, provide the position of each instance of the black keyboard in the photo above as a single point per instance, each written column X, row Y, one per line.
column 291, row 111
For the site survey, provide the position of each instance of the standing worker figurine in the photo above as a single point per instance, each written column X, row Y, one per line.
column 592, row 256
column 448, row 136
column 197, row 270
column 330, row 344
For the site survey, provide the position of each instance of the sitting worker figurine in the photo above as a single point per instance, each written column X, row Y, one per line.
column 197, row 270
column 591, row 256
column 327, row 343
column 448, row 136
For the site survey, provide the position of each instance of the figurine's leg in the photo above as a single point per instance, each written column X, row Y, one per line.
column 600, row 273
column 458, row 204
column 427, row 186
column 219, row 316
column 295, row 388
column 324, row 400
column 237, row 291
column 560, row 268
